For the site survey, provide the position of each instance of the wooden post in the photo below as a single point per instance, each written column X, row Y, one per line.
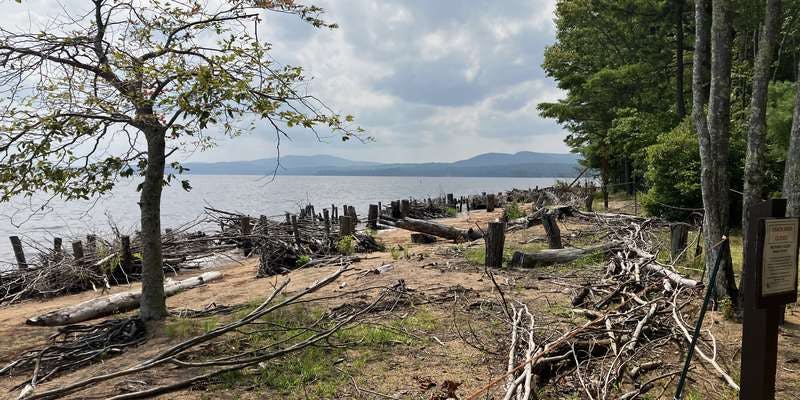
column 405, row 208
column 346, row 225
column 288, row 219
column 490, row 202
column 19, row 254
column 352, row 212
column 762, row 315
column 77, row 252
column 127, row 257
column 247, row 229
column 372, row 218
column 296, row 231
column 91, row 246
column 495, row 240
column 263, row 225
column 553, row 232
column 605, row 196
column 396, row 210
column 58, row 251
column 679, row 236
column 450, row 200
column 588, row 201
column 327, row 219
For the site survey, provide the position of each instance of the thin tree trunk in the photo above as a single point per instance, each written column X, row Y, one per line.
column 713, row 132
column 757, row 129
column 680, row 102
column 153, row 301
column 791, row 176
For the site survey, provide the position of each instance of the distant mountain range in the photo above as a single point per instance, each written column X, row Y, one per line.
column 522, row 164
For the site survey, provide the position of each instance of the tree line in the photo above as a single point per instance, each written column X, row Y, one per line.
column 694, row 102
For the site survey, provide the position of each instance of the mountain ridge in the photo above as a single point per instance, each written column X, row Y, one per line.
column 520, row 164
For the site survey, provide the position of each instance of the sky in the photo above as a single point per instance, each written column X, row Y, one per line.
column 428, row 80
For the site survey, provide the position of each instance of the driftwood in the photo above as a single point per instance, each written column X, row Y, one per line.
column 422, row 238
column 435, row 229
column 120, row 302
column 557, row 256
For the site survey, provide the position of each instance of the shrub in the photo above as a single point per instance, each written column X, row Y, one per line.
column 346, row 245
column 302, row 260
column 513, row 211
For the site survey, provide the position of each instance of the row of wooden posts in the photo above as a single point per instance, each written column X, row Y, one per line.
column 82, row 256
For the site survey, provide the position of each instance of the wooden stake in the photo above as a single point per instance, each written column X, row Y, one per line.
column 553, row 232
column 405, row 208
column 19, row 254
column 495, row 240
column 58, row 251
column 127, row 257
column 77, row 252
column 247, row 228
column 296, row 231
column 372, row 218
column 490, row 202
column 679, row 236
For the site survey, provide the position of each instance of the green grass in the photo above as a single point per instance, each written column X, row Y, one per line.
column 513, row 211
column 303, row 260
column 346, row 245
column 187, row 327
column 477, row 255
column 452, row 212
column 312, row 373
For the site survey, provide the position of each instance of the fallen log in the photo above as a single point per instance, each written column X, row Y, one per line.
column 116, row 303
column 557, row 256
column 435, row 229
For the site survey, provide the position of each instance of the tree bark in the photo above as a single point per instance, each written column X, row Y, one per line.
column 557, row 256
column 713, row 131
column 680, row 102
column 757, row 125
column 435, row 229
column 153, row 304
column 791, row 175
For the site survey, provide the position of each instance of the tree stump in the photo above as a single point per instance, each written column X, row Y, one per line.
column 346, row 226
column 405, row 208
column 450, row 200
column 19, row 254
column 396, row 210
column 326, row 216
column 495, row 240
column 77, row 252
column 58, row 251
column 372, row 216
column 588, row 200
column 679, row 236
column 490, row 202
column 296, row 231
column 247, row 228
column 125, row 254
column 551, row 229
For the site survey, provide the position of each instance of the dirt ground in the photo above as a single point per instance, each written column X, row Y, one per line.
column 453, row 345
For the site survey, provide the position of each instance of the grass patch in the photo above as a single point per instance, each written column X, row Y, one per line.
column 187, row 327
column 452, row 212
column 477, row 255
column 513, row 211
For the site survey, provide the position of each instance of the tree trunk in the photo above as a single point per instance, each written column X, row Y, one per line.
column 714, row 134
column 680, row 102
column 557, row 256
column 435, row 229
column 153, row 301
column 757, row 130
column 791, row 176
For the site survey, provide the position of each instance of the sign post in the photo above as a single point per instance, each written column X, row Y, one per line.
column 770, row 282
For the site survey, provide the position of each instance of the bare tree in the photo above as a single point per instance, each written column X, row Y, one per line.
column 115, row 89
column 713, row 36
column 754, row 168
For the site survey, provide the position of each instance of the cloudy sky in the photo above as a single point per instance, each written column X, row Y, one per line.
column 429, row 80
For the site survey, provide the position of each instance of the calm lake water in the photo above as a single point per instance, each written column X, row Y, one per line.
column 247, row 194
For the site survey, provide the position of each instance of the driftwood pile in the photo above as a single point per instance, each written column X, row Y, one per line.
column 637, row 318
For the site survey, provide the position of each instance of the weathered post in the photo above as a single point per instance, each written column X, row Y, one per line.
column 588, row 201
column 450, row 200
column 551, row 229
column 125, row 253
column 372, row 218
column 679, row 236
column 490, row 202
column 91, row 246
column 352, row 212
column 326, row 216
column 58, row 251
column 346, row 225
column 247, row 229
column 19, row 254
column 296, row 231
column 769, row 282
column 605, row 196
column 405, row 208
column 77, row 252
column 495, row 240
column 396, row 209
column 288, row 219
column 263, row 225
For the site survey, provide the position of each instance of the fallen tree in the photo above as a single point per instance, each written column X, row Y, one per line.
column 116, row 303
column 557, row 256
column 435, row 229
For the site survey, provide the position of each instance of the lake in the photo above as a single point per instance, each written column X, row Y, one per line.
column 250, row 194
